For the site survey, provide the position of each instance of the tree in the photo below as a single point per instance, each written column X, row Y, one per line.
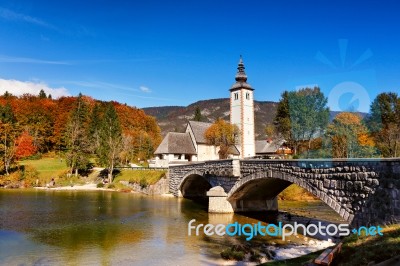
column 197, row 115
column 24, row 146
column 222, row 134
column 8, row 135
column 42, row 94
column 110, row 137
column 76, row 137
column 349, row 137
column 94, row 127
column 302, row 116
column 7, row 95
column 282, row 120
column 384, row 123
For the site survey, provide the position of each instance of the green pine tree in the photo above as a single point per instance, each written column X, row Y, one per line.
column 42, row 94
column 76, row 137
column 110, row 138
column 197, row 115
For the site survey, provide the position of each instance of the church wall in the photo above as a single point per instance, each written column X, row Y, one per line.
column 207, row 152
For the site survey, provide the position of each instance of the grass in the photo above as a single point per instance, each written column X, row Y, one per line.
column 357, row 250
column 361, row 250
column 143, row 177
column 294, row 192
column 47, row 167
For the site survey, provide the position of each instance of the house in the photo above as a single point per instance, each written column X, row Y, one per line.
column 269, row 149
column 191, row 146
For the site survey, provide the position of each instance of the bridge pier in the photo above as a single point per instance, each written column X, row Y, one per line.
column 217, row 201
column 363, row 192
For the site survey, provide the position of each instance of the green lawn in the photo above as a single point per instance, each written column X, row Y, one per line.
column 47, row 167
column 145, row 177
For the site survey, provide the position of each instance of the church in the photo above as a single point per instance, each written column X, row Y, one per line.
column 191, row 146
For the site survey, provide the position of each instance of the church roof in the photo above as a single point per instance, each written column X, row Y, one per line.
column 176, row 143
column 241, row 78
column 233, row 150
column 198, row 129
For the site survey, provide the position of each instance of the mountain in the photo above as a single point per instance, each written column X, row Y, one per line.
column 175, row 118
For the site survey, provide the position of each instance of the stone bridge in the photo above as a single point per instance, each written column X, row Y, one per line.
column 361, row 191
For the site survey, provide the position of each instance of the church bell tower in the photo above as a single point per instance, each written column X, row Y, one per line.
column 242, row 112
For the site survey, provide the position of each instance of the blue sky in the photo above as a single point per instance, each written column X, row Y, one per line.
column 155, row 53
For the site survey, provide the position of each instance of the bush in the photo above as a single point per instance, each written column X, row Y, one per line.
column 100, row 185
column 23, row 176
column 111, row 186
column 143, row 182
column 255, row 256
column 230, row 254
column 29, row 175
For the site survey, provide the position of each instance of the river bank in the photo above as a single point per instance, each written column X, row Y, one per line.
column 94, row 187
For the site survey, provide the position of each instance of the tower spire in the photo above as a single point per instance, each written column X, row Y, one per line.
column 241, row 75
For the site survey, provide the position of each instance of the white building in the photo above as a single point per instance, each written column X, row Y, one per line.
column 178, row 148
column 191, row 146
column 242, row 112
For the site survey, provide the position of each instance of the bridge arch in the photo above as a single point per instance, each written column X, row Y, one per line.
column 260, row 187
column 194, row 185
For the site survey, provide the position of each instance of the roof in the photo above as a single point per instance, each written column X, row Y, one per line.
column 176, row 143
column 198, row 129
column 233, row 150
column 241, row 78
column 263, row 146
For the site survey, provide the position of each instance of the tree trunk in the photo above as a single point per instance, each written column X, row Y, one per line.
column 110, row 173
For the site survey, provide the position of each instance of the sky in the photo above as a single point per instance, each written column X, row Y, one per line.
column 159, row 53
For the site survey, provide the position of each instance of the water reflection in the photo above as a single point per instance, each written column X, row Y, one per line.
column 107, row 228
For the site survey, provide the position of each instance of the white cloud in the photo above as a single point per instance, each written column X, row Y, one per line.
column 144, row 89
column 18, row 88
column 13, row 59
column 13, row 16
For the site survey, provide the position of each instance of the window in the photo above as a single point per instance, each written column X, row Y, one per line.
column 236, row 96
column 247, row 96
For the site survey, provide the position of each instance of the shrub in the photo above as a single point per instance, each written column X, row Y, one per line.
column 29, row 175
column 111, row 186
column 100, row 185
column 230, row 254
column 143, row 182
column 255, row 256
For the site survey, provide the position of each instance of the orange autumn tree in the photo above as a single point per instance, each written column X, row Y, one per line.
column 25, row 146
column 349, row 137
column 222, row 134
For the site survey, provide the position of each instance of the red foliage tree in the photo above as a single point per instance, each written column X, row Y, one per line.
column 25, row 146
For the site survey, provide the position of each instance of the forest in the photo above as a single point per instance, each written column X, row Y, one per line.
column 302, row 122
column 80, row 129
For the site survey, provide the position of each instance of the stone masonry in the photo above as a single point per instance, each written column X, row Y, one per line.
column 362, row 191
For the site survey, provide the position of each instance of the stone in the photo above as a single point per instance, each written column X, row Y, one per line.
column 358, row 185
column 368, row 184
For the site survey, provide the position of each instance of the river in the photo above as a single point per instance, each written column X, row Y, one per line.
column 46, row 227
